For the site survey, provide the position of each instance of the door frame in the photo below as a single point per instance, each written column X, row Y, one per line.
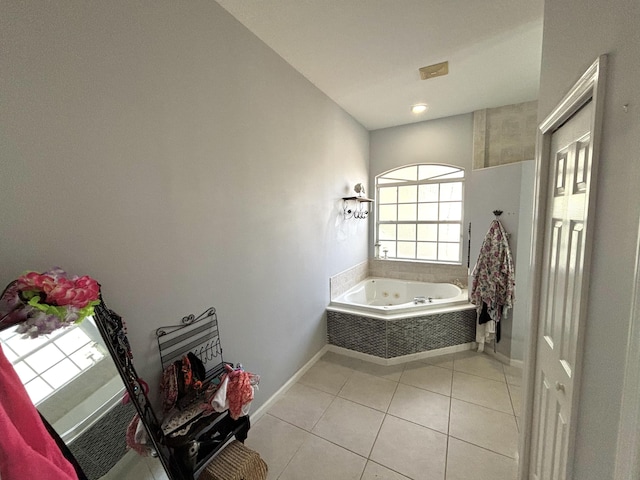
column 628, row 448
column 590, row 87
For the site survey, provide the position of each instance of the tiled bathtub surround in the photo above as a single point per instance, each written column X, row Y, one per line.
column 343, row 281
column 405, row 336
column 420, row 272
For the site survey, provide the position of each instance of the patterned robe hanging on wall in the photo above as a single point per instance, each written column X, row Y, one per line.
column 493, row 284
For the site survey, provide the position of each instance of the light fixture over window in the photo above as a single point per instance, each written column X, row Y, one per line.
column 419, row 108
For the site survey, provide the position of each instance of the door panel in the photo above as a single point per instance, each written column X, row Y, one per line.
column 561, row 294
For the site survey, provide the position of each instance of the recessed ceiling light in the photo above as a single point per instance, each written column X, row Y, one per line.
column 420, row 108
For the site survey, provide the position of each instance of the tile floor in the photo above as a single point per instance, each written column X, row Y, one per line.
column 452, row 417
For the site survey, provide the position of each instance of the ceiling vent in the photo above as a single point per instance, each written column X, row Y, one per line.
column 436, row 70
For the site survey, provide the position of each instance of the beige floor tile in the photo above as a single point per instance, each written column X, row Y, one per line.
column 481, row 365
column 484, row 427
column 319, row 459
column 373, row 471
column 302, row 406
column 130, row 467
column 466, row 462
column 516, row 399
column 156, row 468
column 481, row 391
column 369, row 390
column 326, row 376
column 350, row 425
column 420, row 406
column 428, row 377
column 513, row 375
column 412, row 450
column 389, row 372
column 276, row 441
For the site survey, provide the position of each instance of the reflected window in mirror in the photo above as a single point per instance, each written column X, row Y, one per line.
column 47, row 363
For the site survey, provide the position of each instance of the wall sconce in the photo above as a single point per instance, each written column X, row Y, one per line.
column 356, row 207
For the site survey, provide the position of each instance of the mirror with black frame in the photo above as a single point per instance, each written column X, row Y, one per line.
column 72, row 380
column 70, row 370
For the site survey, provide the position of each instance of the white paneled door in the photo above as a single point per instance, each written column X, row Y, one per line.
column 562, row 289
column 560, row 299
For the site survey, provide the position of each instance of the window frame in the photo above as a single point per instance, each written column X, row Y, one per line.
column 432, row 180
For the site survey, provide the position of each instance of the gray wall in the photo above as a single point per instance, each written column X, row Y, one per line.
column 167, row 152
column 575, row 33
column 450, row 140
column 508, row 188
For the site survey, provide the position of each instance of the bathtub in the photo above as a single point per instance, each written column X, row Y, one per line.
column 383, row 296
column 397, row 321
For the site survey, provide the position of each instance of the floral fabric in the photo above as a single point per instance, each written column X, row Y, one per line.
column 494, row 276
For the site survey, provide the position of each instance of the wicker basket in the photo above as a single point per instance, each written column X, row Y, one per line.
column 235, row 462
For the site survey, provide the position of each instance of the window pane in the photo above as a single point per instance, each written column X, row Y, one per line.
column 428, row 212
column 24, row 371
column 12, row 357
column 45, row 357
column 427, row 251
column 388, row 195
column 406, row 173
column 458, row 174
column 428, row 232
column 449, row 252
column 451, row 211
column 87, row 356
column 406, row 250
column 387, row 232
column 429, row 171
column 37, row 389
column 391, row 249
column 61, row 373
column 428, row 193
column 406, row 232
column 407, row 212
column 450, row 192
column 387, row 213
column 449, row 232
column 22, row 346
column 71, row 342
column 408, row 194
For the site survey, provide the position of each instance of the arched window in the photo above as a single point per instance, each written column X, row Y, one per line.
column 419, row 213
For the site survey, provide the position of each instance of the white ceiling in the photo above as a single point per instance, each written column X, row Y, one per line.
column 365, row 54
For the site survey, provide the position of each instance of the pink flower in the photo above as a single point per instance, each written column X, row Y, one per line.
column 59, row 289
column 77, row 293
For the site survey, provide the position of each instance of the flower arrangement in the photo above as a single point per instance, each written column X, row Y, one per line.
column 43, row 302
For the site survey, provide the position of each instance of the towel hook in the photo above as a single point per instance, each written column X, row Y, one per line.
column 497, row 213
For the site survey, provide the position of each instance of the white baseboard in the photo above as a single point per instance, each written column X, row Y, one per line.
column 502, row 358
column 399, row 360
column 255, row 416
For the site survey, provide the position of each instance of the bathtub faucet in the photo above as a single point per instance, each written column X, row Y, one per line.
column 422, row 299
